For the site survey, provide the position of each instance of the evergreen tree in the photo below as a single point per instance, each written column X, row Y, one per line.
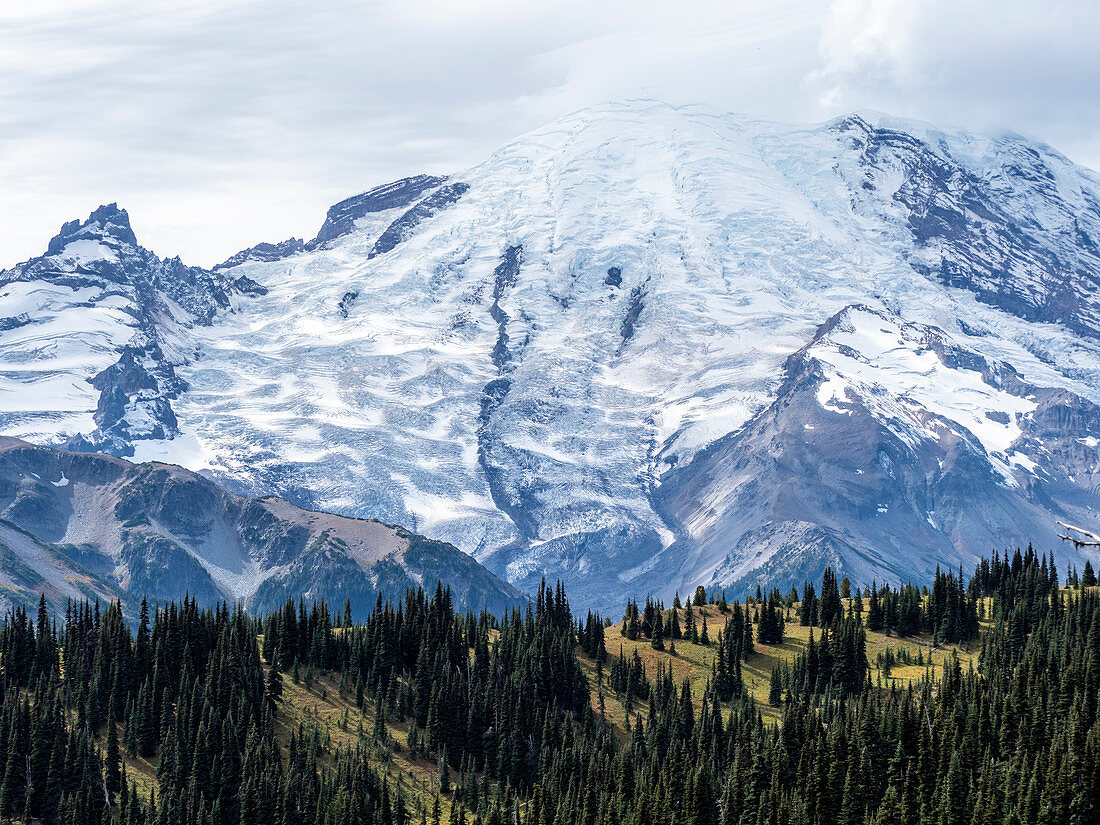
column 700, row 596
column 112, row 761
column 808, row 612
column 828, row 607
column 874, row 611
column 1088, row 575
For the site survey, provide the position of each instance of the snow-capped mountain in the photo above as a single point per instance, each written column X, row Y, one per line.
column 642, row 348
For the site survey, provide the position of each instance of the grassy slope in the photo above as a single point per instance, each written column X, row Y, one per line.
column 320, row 710
column 694, row 661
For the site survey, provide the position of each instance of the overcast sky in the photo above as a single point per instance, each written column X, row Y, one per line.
column 221, row 124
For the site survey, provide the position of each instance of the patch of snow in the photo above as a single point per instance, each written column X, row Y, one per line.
column 1024, row 461
column 908, row 376
column 84, row 251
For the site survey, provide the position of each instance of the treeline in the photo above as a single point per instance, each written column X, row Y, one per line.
column 475, row 690
column 188, row 691
column 1016, row 740
column 519, row 733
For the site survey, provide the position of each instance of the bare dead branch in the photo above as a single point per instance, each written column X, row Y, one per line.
column 1086, row 538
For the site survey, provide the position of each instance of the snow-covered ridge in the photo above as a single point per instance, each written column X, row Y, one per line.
column 541, row 358
column 93, row 332
column 898, row 368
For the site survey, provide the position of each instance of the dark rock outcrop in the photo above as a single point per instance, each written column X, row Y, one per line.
column 401, row 228
column 1045, row 268
column 341, row 217
column 263, row 252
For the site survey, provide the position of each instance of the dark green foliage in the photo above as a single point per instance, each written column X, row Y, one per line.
column 1088, row 575
column 950, row 612
column 590, row 637
column 828, row 608
column 700, row 596
column 807, row 616
column 834, row 664
column 769, row 630
column 1018, row 740
column 875, row 619
column 503, row 709
column 193, row 693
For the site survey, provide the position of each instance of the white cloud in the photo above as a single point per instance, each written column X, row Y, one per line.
column 985, row 64
column 219, row 124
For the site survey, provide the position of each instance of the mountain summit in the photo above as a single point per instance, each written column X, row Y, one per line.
column 640, row 349
column 106, row 224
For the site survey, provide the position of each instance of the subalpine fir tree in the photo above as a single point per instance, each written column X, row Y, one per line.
column 766, row 629
column 828, row 607
column 874, row 611
column 700, row 596
column 1088, row 575
column 673, row 630
column 769, row 630
column 112, row 761
column 807, row 616
column 274, row 686
column 775, row 690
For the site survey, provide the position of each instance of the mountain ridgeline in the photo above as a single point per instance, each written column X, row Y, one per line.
column 531, row 717
column 85, row 525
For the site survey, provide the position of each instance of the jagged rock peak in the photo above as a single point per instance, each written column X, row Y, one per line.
column 108, row 222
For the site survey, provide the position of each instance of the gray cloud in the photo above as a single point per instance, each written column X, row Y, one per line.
column 220, row 124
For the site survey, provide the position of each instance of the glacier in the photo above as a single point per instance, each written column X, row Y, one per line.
column 593, row 355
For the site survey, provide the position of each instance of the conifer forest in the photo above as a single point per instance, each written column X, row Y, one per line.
column 953, row 702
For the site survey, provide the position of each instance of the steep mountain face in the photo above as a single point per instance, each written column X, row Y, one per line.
column 92, row 333
column 77, row 525
column 648, row 347
column 887, row 451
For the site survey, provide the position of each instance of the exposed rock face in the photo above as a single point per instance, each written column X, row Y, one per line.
column 341, row 217
column 640, row 349
column 1009, row 235
column 885, row 452
column 401, row 228
column 263, row 253
column 75, row 525
column 351, row 213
